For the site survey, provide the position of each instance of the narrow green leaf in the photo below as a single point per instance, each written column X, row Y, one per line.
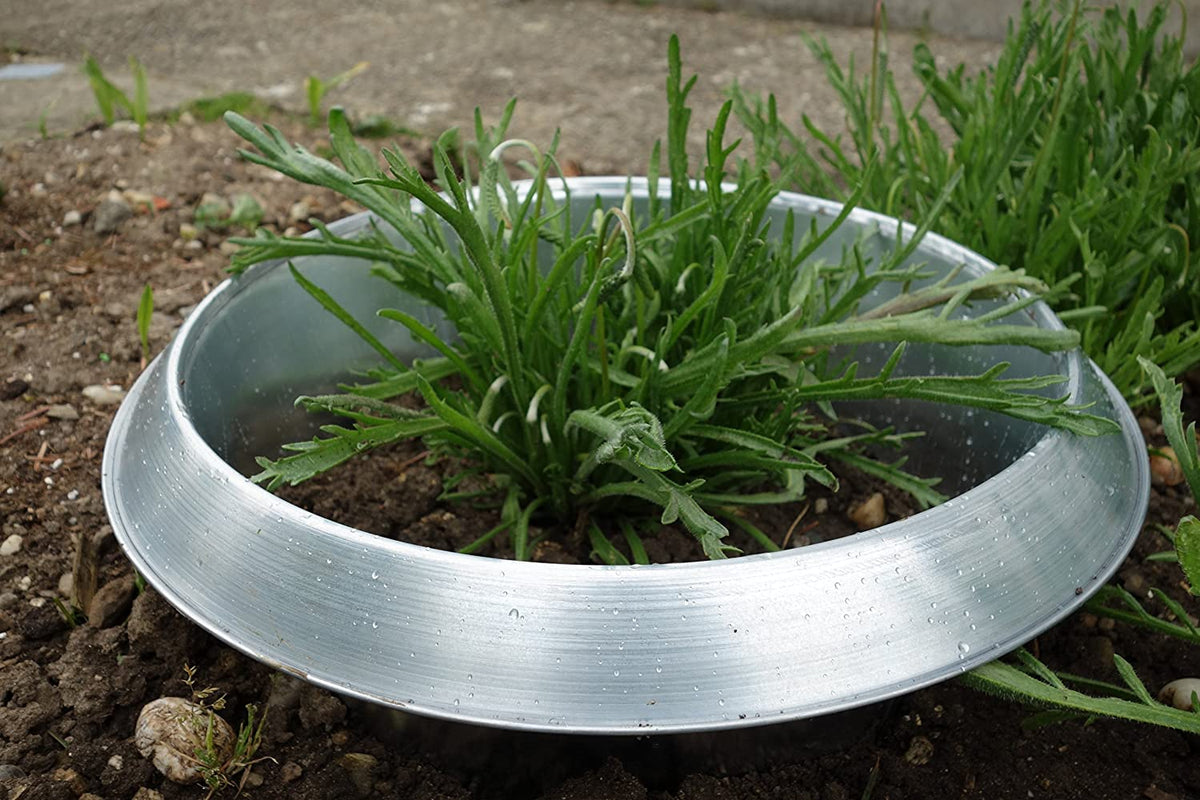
column 144, row 312
column 345, row 317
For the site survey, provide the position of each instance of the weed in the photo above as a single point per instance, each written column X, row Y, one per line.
column 315, row 89
column 210, row 109
column 245, row 212
column 109, row 97
column 218, row 771
column 144, row 312
column 70, row 614
column 378, row 126
column 676, row 355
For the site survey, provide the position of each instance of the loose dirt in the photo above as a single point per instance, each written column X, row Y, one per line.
column 69, row 696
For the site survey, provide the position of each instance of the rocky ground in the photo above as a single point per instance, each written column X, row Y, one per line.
column 87, row 221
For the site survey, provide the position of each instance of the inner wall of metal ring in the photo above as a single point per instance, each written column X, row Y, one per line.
column 248, row 367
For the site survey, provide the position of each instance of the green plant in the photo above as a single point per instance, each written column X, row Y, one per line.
column 144, row 312
column 220, row 771
column 379, row 126
column 210, row 109
column 245, row 212
column 1078, row 151
column 315, row 89
column 676, row 354
column 109, row 97
column 70, row 614
column 1031, row 681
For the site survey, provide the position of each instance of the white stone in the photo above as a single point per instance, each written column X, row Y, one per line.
column 103, row 395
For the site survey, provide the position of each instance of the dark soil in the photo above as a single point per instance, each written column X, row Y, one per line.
column 396, row 493
column 69, row 696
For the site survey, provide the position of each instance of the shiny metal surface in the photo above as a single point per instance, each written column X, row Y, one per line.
column 1041, row 519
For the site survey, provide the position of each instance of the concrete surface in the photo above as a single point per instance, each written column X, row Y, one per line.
column 976, row 19
column 595, row 69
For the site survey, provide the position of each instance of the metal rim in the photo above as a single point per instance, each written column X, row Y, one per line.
column 625, row 650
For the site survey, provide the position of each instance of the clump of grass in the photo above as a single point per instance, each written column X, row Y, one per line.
column 218, row 771
column 109, row 97
column 210, row 109
column 675, row 356
column 315, row 89
column 1077, row 153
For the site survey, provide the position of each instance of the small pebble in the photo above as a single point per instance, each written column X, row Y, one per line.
column 920, row 751
column 254, row 780
column 299, row 212
column 1134, row 582
column 101, row 395
column 170, row 729
column 10, row 772
column 1179, row 692
column 290, row 771
column 72, row 218
column 11, row 545
column 136, row 198
column 109, row 215
column 66, row 583
column 188, row 231
column 13, row 388
column 62, row 411
column 821, row 505
column 871, row 513
column 1165, row 469
column 117, row 762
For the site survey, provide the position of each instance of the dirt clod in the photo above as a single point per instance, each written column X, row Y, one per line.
column 360, row 766
column 111, row 603
column 320, row 709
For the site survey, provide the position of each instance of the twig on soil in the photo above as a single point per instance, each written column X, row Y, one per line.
column 792, row 528
column 32, row 419
column 34, row 413
column 40, row 458
column 404, row 465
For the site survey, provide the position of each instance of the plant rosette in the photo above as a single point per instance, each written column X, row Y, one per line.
column 1038, row 520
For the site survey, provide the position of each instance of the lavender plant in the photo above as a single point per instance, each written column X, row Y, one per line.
column 677, row 356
